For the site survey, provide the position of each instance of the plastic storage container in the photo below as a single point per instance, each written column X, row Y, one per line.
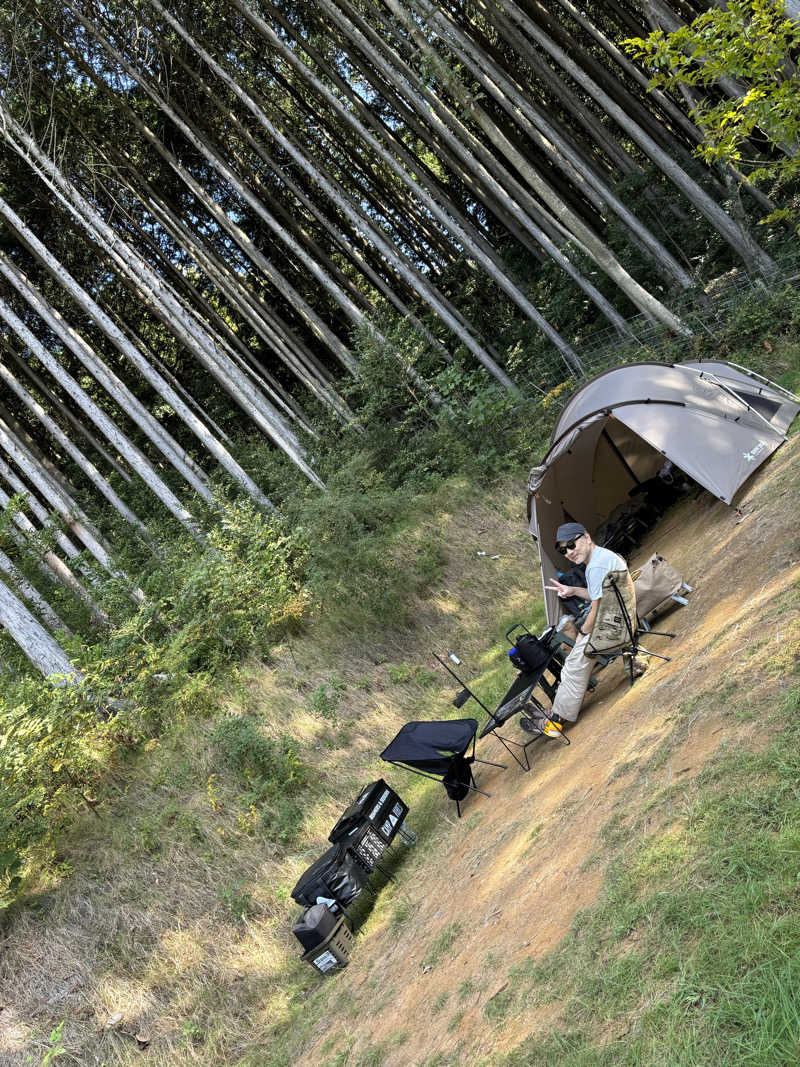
column 334, row 952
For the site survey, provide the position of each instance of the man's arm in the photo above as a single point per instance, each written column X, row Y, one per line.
column 568, row 590
column 588, row 622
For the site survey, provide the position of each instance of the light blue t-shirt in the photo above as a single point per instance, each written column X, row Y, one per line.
column 601, row 561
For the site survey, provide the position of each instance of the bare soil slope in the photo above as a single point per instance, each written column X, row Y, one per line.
column 506, row 881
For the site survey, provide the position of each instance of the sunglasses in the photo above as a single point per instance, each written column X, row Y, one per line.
column 568, row 545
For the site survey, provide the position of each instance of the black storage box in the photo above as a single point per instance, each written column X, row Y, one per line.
column 378, row 805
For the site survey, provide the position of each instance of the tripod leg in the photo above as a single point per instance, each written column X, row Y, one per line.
column 628, row 658
column 644, row 652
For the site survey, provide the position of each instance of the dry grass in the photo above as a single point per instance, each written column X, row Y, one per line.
column 169, row 919
column 162, row 934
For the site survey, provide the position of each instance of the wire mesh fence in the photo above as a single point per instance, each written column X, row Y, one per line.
column 707, row 314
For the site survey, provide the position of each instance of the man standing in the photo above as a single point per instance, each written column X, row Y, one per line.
column 573, row 541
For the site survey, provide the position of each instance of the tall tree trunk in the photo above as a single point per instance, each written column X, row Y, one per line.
column 341, row 201
column 102, row 421
column 71, row 449
column 20, row 583
column 187, row 327
column 599, row 252
column 37, row 644
column 738, row 238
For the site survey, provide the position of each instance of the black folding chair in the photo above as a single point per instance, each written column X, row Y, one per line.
column 518, row 698
column 438, row 750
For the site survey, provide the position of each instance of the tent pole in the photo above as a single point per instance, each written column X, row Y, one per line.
column 620, row 456
column 767, row 381
column 711, row 377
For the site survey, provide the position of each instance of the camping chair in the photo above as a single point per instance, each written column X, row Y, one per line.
column 617, row 616
column 438, row 750
column 532, row 674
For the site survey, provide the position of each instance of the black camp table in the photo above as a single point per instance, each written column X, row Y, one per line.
column 520, row 696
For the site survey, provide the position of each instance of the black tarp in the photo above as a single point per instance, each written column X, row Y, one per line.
column 337, row 875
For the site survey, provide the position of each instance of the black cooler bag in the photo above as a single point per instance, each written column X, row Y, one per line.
column 529, row 653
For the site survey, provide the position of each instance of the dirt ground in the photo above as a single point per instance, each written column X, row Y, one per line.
column 515, row 895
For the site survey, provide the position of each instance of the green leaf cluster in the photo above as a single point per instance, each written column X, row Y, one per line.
column 270, row 772
column 751, row 41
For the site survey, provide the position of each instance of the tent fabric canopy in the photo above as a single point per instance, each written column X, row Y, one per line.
column 715, row 421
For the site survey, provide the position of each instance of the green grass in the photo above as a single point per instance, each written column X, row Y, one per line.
column 442, row 943
column 692, row 952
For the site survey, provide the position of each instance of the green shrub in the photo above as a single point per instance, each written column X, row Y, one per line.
column 269, row 773
column 324, row 701
column 241, row 746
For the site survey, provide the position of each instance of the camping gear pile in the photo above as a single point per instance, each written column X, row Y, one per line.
column 359, row 839
column 622, row 452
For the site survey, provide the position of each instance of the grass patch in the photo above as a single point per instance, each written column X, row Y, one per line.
column 438, row 1003
column 442, row 943
column 694, row 945
column 497, row 1007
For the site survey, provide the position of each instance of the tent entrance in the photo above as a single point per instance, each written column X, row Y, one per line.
column 622, row 463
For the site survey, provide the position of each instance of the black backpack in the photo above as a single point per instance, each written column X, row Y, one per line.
column 457, row 780
column 575, row 605
column 529, row 653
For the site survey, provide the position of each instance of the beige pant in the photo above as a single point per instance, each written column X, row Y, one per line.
column 575, row 675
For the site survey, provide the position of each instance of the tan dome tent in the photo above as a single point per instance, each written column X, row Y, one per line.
column 715, row 421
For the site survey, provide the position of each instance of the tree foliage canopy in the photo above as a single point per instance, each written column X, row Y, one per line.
column 750, row 40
